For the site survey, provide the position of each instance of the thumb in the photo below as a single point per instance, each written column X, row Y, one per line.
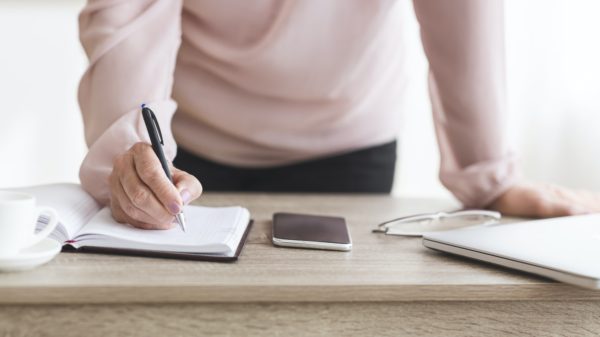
column 188, row 186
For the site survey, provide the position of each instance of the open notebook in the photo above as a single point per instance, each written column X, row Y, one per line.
column 212, row 233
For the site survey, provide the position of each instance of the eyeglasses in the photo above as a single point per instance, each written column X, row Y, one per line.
column 417, row 225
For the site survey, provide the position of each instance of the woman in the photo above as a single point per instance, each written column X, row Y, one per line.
column 292, row 96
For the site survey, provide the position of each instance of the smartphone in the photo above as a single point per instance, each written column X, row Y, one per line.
column 311, row 231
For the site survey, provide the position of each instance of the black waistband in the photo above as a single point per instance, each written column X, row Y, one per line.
column 365, row 170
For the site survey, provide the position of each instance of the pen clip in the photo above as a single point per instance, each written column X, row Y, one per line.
column 155, row 121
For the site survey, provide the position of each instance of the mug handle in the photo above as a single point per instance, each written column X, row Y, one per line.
column 39, row 236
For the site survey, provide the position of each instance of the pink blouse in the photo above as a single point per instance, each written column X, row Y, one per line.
column 267, row 82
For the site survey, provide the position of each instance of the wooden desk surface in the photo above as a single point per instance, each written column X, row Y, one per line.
column 379, row 268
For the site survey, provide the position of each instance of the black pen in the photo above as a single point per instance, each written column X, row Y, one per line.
column 157, row 144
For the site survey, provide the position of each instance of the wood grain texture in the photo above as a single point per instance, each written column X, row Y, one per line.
column 379, row 268
column 508, row 318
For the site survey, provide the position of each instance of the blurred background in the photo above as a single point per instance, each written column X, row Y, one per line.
column 553, row 64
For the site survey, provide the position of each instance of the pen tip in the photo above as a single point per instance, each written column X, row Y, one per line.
column 143, row 105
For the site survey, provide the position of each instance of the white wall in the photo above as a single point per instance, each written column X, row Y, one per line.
column 553, row 78
column 418, row 157
column 41, row 138
column 554, row 89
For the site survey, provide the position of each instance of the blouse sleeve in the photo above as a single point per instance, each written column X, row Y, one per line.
column 132, row 48
column 464, row 43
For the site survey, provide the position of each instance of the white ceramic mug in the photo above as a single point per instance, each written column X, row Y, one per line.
column 18, row 218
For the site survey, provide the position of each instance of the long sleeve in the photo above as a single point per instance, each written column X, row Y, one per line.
column 464, row 43
column 132, row 48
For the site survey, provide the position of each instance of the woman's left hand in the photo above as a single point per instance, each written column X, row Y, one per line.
column 545, row 201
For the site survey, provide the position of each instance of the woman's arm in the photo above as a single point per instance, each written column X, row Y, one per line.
column 132, row 48
column 464, row 42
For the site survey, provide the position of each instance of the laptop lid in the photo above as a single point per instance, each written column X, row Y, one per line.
column 565, row 249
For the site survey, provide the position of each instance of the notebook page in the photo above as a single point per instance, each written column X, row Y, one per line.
column 208, row 230
column 75, row 207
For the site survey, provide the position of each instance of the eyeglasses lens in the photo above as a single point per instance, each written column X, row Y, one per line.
column 417, row 227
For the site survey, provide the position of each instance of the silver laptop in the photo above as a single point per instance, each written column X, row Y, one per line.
column 564, row 249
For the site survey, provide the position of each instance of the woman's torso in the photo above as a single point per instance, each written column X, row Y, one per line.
column 268, row 82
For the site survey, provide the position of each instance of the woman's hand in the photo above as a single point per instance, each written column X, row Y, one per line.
column 545, row 201
column 141, row 193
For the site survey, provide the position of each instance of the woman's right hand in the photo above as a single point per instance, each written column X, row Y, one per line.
column 142, row 195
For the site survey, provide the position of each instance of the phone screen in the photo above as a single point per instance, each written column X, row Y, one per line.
column 310, row 231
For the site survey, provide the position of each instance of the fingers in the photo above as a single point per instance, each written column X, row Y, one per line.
column 189, row 187
column 141, row 197
column 141, row 193
column 140, row 209
column 132, row 200
column 544, row 201
column 127, row 209
column 552, row 209
column 578, row 201
column 150, row 171
column 120, row 216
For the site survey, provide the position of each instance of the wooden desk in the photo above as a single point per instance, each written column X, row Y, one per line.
column 386, row 286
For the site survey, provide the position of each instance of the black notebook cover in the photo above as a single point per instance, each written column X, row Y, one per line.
column 169, row 255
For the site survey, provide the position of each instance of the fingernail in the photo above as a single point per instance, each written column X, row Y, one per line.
column 174, row 208
column 186, row 196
